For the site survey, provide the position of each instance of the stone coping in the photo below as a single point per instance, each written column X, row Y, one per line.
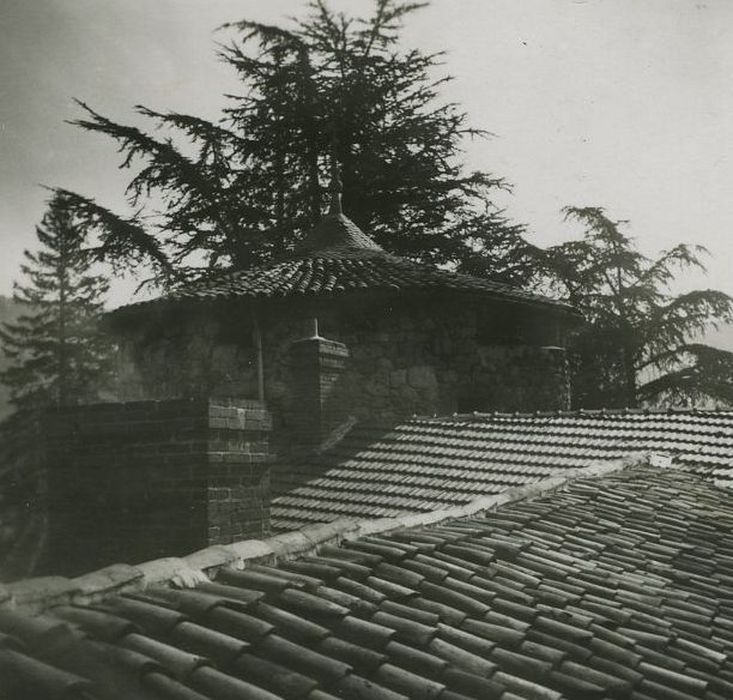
column 36, row 595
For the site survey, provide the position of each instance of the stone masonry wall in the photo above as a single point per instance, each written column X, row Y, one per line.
column 202, row 352
column 422, row 356
column 430, row 360
column 133, row 481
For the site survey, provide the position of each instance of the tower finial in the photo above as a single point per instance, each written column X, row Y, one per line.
column 335, row 187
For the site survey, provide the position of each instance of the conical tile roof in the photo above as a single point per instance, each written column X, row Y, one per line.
column 336, row 234
column 337, row 257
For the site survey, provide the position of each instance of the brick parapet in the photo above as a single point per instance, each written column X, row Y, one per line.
column 139, row 479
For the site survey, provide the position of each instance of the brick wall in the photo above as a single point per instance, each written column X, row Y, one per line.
column 134, row 481
column 238, row 487
column 318, row 402
column 22, row 495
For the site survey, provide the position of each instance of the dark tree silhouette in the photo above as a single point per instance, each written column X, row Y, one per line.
column 241, row 191
column 57, row 354
column 640, row 343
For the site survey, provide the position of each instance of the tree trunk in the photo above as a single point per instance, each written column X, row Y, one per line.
column 62, row 358
column 313, row 206
column 630, row 377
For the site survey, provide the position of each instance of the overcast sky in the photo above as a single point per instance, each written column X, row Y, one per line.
column 621, row 103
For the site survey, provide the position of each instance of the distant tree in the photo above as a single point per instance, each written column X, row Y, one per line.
column 244, row 189
column 641, row 342
column 9, row 311
column 57, row 354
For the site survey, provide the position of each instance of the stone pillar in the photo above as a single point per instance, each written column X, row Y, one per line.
column 129, row 482
column 319, row 406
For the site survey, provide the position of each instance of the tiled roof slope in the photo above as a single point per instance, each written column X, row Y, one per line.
column 618, row 586
column 429, row 463
column 338, row 257
column 333, row 272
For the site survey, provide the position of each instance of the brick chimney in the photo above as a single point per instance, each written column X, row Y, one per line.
column 129, row 482
column 319, row 403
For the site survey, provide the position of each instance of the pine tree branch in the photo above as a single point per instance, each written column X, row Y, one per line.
column 124, row 241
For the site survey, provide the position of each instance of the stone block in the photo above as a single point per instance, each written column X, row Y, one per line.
column 398, row 378
column 375, row 387
column 422, row 378
column 404, row 402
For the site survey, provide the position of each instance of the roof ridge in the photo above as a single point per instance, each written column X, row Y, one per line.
column 590, row 412
column 38, row 594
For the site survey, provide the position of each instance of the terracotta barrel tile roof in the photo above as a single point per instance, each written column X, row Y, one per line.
column 428, row 463
column 335, row 272
column 618, row 585
column 336, row 258
column 337, row 233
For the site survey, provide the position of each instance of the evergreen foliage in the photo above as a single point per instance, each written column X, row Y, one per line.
column 9, row 311
column 243, row 190
column 57, row 354
column 639, row 343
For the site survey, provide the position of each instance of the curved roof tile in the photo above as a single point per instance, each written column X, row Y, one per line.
column 613, row 583
column 338, row 257
column 429, row 463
